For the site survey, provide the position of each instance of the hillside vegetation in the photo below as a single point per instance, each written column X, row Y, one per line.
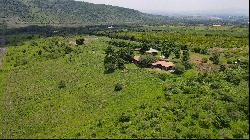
column 69, row 12
column 52, row 88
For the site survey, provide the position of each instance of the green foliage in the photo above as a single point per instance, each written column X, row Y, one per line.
column 116, row 59
column 109, row 51
column 204, row 60
column 80, row 41
column 147, row 60
column 179, row 68
column 193, row 105
column 118, row 87
column 61, row 84
column 233, row 76
column 215, row 58
column 54, row 12
column 144, row 47
column 185, row 60
column 200, row 50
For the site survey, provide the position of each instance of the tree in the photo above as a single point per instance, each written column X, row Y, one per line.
column 215, row 58
column 144, row 48
column 118, row 87
column 126, row 54
column 147, row 60
column 109, row 50
column 120, row 63
column 184, row 47
column 177, row 53
column 80, row 41
column 185, row 59
column 61, row 84
column 179, row 68
column 185, row 56
column 204, row 60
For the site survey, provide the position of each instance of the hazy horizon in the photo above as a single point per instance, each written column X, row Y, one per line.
column 176, row 6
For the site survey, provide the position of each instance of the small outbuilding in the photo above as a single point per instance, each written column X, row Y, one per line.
column 136, row 59
column 152, row 51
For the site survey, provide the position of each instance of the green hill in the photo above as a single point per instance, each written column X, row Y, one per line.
column 69, row 12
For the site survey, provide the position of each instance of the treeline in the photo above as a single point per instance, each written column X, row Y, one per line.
column 70, row 12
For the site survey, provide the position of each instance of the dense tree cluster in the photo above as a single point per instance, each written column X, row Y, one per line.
column 116, row 59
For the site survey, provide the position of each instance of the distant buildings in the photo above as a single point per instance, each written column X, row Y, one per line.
column 152, row 51
column 136, row 59
column 110, row 27
column 217, row 25
column 164, row 65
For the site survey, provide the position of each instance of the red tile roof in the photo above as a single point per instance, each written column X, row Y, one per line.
column 163, row 63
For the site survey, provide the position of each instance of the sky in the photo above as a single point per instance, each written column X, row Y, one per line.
column 176, row 5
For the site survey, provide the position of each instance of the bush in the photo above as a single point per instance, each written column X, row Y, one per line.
column 222, row 68
column 221, row 122
column 230, row 61
column 109, row 67
column 61, row 84
column 179, row 68
column 124, row 118
column 80, row 41
column 200, row 50
column 215, row 58
column 232, row 77
column 204, row 60
column 118, row 87
column 147, row 60
column 163, row 77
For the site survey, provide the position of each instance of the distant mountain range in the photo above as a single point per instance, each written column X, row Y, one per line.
column 207, row 13
column 70, row 12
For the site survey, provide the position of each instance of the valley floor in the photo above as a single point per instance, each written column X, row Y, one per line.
column 47, row 94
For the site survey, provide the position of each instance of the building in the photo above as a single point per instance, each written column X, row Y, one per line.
column 136, row 59
column 152, row 51
column 163, row 65
column 216, row 25
column 110, row 27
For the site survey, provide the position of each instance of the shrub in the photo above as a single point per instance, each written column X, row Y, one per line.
column 61, row 84
column 147, row 60
column 118, row 87
column 120, row 64
column 163, row 77
column 109, row 67
column 109, row 50
column 204, row 60
column 233, row 77
column 124, row 118
column 230, row 61
column 80, row 41
column 222, row 67
column 215, row 58
column 221, row 122
column 186, row 65
column 179, row 68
